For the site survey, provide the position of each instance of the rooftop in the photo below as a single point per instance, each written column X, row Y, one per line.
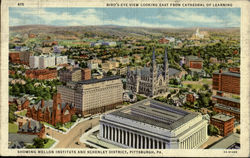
column 228, row 99
column 229, row 73
column 225, row 107
column 222, row 117
column 99, row 80
column 156, row 114
column 232, row 141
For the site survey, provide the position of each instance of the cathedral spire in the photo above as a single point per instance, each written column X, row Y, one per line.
column 165, row 64
column 153, row 57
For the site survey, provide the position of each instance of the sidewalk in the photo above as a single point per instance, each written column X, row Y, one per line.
column 91, row 140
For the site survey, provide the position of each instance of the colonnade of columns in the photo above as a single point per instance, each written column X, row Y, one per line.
column 130, row 139
column 195, row 139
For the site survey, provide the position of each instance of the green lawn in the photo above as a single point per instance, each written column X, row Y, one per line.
column 13, row 128
column 193, row 85
column 45, row 123
column 49, row 143
column 68, row 124
column 22, row 113
column 207, row 81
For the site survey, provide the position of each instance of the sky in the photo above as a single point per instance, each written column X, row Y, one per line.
column 145, row 17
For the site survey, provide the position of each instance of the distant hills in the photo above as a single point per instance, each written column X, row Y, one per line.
column 112, row 30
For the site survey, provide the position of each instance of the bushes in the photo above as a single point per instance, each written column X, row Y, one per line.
column 12, row 116
column 213, row 130
column 73, row 118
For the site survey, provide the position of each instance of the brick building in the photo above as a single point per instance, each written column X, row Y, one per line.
column 227, row 81
column 22, row 103
column 42, row 74
column 194, row 62
column 163, row 41
column 226, row 105
column 226, row 84
column 190, row 98
column 86, row 74
column 225, row 123
column 32, row 127
column 52, row 112
column 14, row 57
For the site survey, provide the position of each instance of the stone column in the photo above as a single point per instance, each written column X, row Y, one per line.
column 112, row 133
column 108, row 132
column 123, row 142
column 134, row 140
column 116, row 135
column 130, row 140
column 126, row 138
column 153, row 143
column 142, row 145
column 137, row 141
column 149, row 143
column 119, row 135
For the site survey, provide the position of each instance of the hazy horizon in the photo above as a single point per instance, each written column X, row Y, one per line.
column 127, row 17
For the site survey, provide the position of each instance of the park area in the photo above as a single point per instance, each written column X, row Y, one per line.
column 198, row 84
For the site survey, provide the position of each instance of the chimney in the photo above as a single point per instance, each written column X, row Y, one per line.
column 29, row 124
column 220, row 71
column 199, row 55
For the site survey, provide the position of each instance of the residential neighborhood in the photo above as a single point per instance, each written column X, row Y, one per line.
column 109, row 86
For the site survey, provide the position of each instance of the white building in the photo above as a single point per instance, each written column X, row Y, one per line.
column 94, row 95
column 46, row 61
column 150, row 124
column 34, row 61
column 61, row 60
column 93, row 65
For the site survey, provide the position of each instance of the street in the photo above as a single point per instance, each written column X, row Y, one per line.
column 69, row 140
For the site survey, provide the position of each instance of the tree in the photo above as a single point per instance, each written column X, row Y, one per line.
column 73, row 118
column 38, row 143
column 213, row 130
column 58, row 125
column 109, row 73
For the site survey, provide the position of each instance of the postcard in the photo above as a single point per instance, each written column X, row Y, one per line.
column 125, row 78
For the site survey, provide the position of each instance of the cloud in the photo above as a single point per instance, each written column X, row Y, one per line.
column 85, row 17
column 67, row 17
column 196, row 18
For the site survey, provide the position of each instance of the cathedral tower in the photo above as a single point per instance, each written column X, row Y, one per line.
column 154, row 73
column 165, row 68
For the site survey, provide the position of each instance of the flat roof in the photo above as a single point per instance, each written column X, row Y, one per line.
column 229, row 73
column 99, row 80
column 228, row 99
column 229, row 108
column 156, row 114
column 227, row 142
column 222, row 117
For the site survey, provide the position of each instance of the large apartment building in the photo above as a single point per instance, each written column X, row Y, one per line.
column 93, row 96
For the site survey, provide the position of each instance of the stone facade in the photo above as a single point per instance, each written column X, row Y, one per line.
column 74, row 74
column 153, row 125
column 149, row 81
column 51, row 112
column 93, row 96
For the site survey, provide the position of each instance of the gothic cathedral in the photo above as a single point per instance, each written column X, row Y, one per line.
column 150, row 81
